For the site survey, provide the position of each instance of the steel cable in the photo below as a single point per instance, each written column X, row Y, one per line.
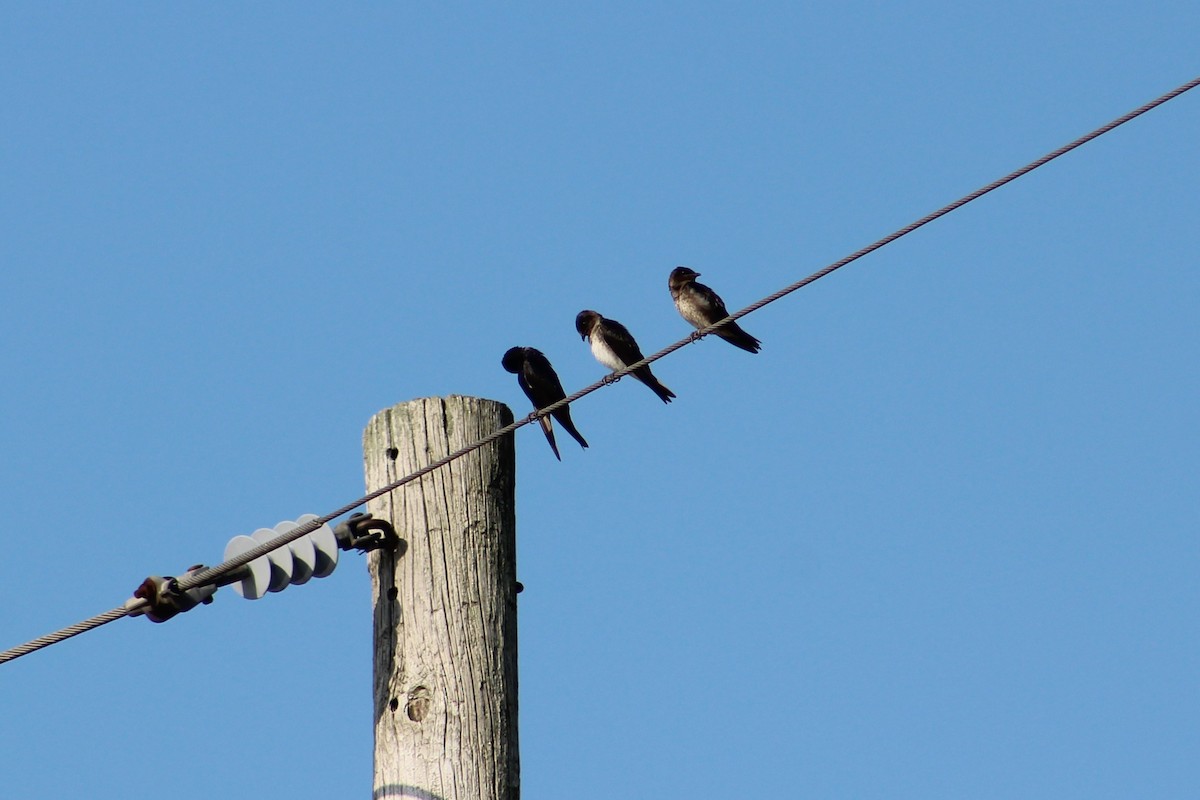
column 214, row 574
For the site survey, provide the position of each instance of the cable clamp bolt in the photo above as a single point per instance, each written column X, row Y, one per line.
column 164, row 598
column 364, row 533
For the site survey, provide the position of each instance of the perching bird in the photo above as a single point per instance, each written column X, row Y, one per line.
column 615, row 348
column 701, row 306
column 541, row 385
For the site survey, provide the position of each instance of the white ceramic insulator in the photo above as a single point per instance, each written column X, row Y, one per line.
column 304, row 554
column 280, row 558
column 257, row 572
column 325, row 547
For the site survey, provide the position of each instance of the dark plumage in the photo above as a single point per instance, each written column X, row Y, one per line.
column 701, row 306
column 540, row 383
column 614, row 347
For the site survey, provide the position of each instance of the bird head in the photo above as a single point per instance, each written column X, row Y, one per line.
column 584, row 321
column 681, row 276
column 514, row 359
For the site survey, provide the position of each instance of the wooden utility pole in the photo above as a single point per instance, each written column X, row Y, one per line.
column 445, row 604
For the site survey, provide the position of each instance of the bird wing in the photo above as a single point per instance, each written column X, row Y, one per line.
column 712, row 303
column 620, row 341
column 540, row 381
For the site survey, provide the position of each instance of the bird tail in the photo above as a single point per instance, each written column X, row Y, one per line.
column 548, row 429
column 738, row 337
column 563, row 415
column 647, row 377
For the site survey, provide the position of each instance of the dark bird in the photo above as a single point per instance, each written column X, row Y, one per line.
column 701, row 306
column 615, row 348
column 540, row 383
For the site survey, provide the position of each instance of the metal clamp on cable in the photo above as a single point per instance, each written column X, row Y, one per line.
column 364, row 533
column 165, row 600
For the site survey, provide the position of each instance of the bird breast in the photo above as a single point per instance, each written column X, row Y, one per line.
column 603, row 353
column 694, row 309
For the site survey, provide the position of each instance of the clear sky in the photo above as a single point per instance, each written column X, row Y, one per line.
column 937, row 540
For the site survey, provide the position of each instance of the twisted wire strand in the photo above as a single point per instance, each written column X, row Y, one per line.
column 64, row 633
column 209, row 575
column 215, row 574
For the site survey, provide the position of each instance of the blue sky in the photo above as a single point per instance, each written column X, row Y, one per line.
column 938, row 540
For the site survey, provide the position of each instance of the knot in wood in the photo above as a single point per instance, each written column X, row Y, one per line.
column 418, row 703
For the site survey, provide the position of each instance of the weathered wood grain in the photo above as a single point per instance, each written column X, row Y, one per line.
column 446, row 607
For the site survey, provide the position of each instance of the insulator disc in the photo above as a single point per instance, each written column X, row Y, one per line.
column 280, row 558
column 304, row 553
column 325, row 545
column 258, row 572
